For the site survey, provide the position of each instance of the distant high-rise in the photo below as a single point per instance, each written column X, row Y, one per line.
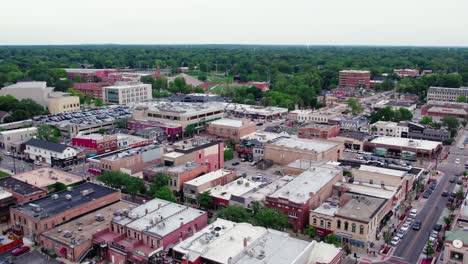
column 354, row 79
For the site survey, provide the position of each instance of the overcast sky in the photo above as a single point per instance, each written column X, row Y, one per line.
column 314, row 22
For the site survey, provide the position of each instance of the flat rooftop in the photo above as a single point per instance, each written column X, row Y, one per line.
column 180, row 168
column 327, row 208
column 20, row 130
column 15, row 185
column 44, row 177
column 361, row 207
column 65, row 200
column 253, row 109
column 83, row 228
column 123, row 153
column 310, row 181
column 306, row 144
column 374, row 190
column 158, row 217
column 261, row 136
column 195, row 143
column 228, row 122
column 261, row 193
column 407, row 142
column 20, row 85
column 4, row 194
column 208, row 177
column 380, row 170
column 318, row 126
column 182, row 108
column 447, row 110
column 173, row 155
column 237, row 188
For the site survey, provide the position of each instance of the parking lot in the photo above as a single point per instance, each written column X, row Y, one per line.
column 370, row 159
column 250, row 171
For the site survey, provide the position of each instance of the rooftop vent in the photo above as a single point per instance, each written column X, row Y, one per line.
column 99, row 218
column 67, row 234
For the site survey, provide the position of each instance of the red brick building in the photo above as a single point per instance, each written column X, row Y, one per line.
column 354, row 79
column 178, row 175
column 318, row 131
column 457, row 110
column 406, row 72
column 173, row 131
column 92, row 89
column 90, row 74
column 98, row 142
column 22, row 191
column 33, row 218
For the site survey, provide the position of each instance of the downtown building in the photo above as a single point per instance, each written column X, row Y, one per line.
column 354, row 79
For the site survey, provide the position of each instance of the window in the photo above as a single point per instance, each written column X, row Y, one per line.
column 329, row 224
column 361, row 230
column 45, row 226
column 346, row 225
column 338, row 224
column 353, row 228
column 293, row 214
column 315, row 221
column 321, row 222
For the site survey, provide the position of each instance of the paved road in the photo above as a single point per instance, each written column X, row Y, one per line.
column 413, row 243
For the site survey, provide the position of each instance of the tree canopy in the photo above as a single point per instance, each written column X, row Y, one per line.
column 48, row 133
column 388, row 114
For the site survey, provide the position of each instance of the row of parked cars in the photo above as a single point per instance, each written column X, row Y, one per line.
column 99, row 115
column 409, row 223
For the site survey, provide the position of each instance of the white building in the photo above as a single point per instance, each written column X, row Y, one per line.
column 54, row 154
column 125, row 93
column 11, row 139
column 389, row 129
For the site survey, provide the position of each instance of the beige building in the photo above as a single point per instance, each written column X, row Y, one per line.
column 10, row 140
column 59, row 102
column 125, row 93
column 456, row 240
column 445, row 94
column 285, row 150
column 231, row 128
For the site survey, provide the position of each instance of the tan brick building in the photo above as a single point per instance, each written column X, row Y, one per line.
column 231, row 128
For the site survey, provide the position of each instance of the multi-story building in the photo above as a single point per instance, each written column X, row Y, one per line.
column 226, row 242
column 418, row 131
column 173, row 131
column 178, row 175
column 306, row 191
column 354, row 79
column 389, row 129
column 286, row 150
column 228, row 194
column 319, row 116
column 127, row 93
column 252, row 145
column 198, row 185
column 135, row 235
column 131, row 160
column 441, row 109
column 191, row 116
column 46, row 177
column 90, row 89
column 59, row 102
column 231, row 128
column 350, row 123
column 404, row 148
column 196, row 98
column 100, row 143
column 22, row 191
column 456, row 239
column 73, row 239
column 445, row 94
column 131, row 141
column 406, row 72
column 256, row 112
column 6, row 201
column 90, row 75
column 395, row 105
column 318, row 131
column 11, row 140
column 54, row 154
column 33, row 218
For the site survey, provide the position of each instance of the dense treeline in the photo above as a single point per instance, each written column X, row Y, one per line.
column 297, row 74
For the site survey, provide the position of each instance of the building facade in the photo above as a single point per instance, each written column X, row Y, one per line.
column 11, row 140
column 389, row 129
column 318, row 131
column 354, row 79
column 127, row 93
column 445, row 94
column 231, row 128
column 98, row 142
column 54, row 154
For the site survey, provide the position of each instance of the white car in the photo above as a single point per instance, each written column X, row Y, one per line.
column 395, row 241
column 400, row 233
column 405, row 226
column 461, row 147
column 38, row 163
column 7, row 153
column 434, row 234
column 457, row 161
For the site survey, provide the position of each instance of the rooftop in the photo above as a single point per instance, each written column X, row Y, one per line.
column 374, row 190
column 65, row 200
column 355, row 71
column 37, row 85
column 318, row 126
column 236, row 188
column 261, row 136
column 460, row 234
column 407, row 142
column 4, row 194
column 123, row 153
column 390, row 172
column 18, row 186
column 208, row 177
column 360, row 207
column 194, row 144
column 438, row 109
column 82, row 229
column 173, row 155
column 230, row 122
column 125, row 85
column 20, row 130
column 253, row 109
column 178, row 169
column 310, row 181
column 327, row 208
column 42, row 144
column 181, row 108
column 157, row 217
column 260, row 194
column 306, row 144
column 44, row 177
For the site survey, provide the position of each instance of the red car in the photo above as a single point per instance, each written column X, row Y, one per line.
column 20, row 250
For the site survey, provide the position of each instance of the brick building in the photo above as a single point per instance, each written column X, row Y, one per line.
column 406, row 72
column 33, row 218
column 354, row 79
column 90, row 89
column 173, row 131
column 231, row 128
column 90, row 74
column 318, row 131
column 98, row 142
column 22, row 191
column 178, row 175
column 306, row 191
column 196, row 186
column 440, row 110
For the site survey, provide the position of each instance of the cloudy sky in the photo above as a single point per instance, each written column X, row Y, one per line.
column 314, row 22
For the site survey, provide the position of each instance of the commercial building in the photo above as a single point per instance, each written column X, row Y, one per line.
column 131, row 160
column 33, row 218
column 131, row 141
column 353, row 140
column 231, row 128
column 286, row 150
column 440, row 110
column 196, row 98
column 444, row 94
column 306, row 191
column 11, row 140
column 318, row 131
column 6, row 201
column 22, row 191
column 54, row 154
column 173, row 131
column 90, row 89
column 154, row 133
column 242, row 243
column 417, row 131
column 395, row 105
column 224, row 195
column 255, row 112
column 100, row 143
column 389, row 129
column 90, row 75
column 320, row 116
column 406, row 72
column 126, row 93
column 136, row 235
column 45, row 177
column 354, row 79
column 178, row 175
column 252, row 145
column 456, row 240
column 351, row 123
column 404, row 148
column 198, row 185
column 56, row 102
column 73, row 239
column 191, row 116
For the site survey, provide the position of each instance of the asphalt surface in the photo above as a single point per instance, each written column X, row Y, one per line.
column 412, row 245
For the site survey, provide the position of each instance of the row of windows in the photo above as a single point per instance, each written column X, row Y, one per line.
column 353, row 227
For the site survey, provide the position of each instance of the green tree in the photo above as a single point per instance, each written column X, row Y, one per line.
column 387, row 235
column 460, row 194
column 333, row 240
column 354, row 105
column 228, row 154
column 311, row 231
column 235, row 213
column 404, row 114
column 48, row 133
column 102, row 130
column 451, row 122
column 160, row 180
column 448, row 221
column 429, row 251
column 426, row 120
column 56, row 187
column 98, row 102
column 462, row 99
column 205, row 200
column 166, row 194
column 271, row 218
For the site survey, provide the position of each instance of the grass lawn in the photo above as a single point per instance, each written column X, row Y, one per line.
column 3, row 174
column 211, row 79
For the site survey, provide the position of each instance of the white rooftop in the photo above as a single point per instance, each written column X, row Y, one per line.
column 327, row 208
column 407, row 142
column 20, row 130
column 306, row 144
column 373, row 169
column 173, row 154
column 38, row 85
column 4, row 194
column 323, row 253
column 237, row 188
column 208, row 177
column 310, row 181
column 228, row 122
column 260, row 194
column 262, row 136
column 181, row 108
column 368, row 189
column 253, row 109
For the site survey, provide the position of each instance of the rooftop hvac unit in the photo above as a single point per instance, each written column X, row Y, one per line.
column 67, row 234
column 99, row 218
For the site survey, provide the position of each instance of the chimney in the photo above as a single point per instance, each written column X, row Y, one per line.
column 245, row 242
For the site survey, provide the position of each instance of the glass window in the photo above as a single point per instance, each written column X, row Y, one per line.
column 361, row 229
column 346, row 225
column 338, row 224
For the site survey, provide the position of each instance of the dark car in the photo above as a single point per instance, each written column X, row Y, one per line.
column 451, row 199
column 417, row 225
column 445, row 194
column 235, row 163
column 437, row 227
column 432, row 185
column 426, row 194
column 460, row 182
column 453, row 180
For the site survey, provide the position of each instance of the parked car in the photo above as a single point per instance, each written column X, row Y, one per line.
column 7, row 153
column 432, row 185
column 445, row 194
column 437, row 227
column 405, row 226
column 426, row 194
column 457, row 161
column 400, row 233
column 453, row 180
column 20, row 250
column 395, row 241
column 460, row 182
column 434, row 234
column 235, row 163
column 417, row 225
